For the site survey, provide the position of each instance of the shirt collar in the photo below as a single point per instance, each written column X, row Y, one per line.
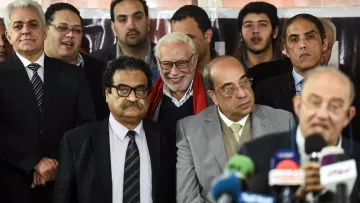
column 188, row 93
column 120, row 131
column 229, row 122
column 79, row 61
column 26, row 62
column 297, row 77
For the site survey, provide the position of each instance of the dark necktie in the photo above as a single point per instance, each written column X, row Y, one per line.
column 132, row 171
column 37, row 84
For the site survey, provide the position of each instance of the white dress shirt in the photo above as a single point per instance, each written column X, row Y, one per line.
column 118, row 145
column 30, row 73
column 229, row 122
column 187, row 95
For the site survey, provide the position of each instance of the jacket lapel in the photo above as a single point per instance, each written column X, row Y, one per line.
column 214, row 134
column 51, row 77
column 102, row 152
column 259, row 123
column 153, row 142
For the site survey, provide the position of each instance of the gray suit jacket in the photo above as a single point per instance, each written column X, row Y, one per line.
column 201, row 154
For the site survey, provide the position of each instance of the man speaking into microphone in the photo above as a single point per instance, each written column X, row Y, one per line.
column 325, row 108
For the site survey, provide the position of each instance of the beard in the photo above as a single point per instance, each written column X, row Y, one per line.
column 179, row 87
column 268, row 43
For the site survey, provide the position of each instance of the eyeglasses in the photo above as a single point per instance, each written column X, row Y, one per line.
column 141, row 91
column 333, row 106
column 167, row 65
column 234, row 89
column 64, row 30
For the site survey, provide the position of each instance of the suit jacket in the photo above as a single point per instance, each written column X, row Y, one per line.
column 277, row 92
column 28, row 135
column 84, row 172
column 94, row 69
column 264, row 71
column 201, row 152
column 270, row 144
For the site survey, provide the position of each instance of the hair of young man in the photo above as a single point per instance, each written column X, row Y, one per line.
column 53, row 8
column 195, row 12
column 114, row 3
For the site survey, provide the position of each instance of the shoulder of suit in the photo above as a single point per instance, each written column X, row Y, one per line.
column 271, row 110
column 268, row 140
column 270, row 82
column 83, row 132
column 195, row 119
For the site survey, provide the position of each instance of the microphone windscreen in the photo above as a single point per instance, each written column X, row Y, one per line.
column 226, row 183
column 314, row 143
column 331, row 150
column 242, row 165
column 287, row 164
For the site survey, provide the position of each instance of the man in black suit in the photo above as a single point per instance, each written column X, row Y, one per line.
column 305, row 41
column 40, row 99
column 63, row 42
column 324, row 107
column 92, row 166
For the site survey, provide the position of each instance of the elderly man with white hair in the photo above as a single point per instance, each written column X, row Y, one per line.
column 40, row 99
column 330, row 32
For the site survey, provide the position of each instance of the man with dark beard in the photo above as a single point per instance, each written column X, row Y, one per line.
column 259, row 26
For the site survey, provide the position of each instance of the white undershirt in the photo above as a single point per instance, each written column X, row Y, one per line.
column 26, row 62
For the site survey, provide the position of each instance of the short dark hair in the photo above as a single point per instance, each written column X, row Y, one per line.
column 113, row 4
column 308, row 17
column 259, row 7
column 197, row 13
column 53, row 8
column 125, row 63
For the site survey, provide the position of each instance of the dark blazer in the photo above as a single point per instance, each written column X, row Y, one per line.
column 271, row 143
column 264, row 71
column 277, row 92
column 84, row 172
column 26, row 135
column 94, row 69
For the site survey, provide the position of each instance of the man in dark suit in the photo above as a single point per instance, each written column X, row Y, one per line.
column 122, row 158
column 40, row 99
column 324, row 108
column 63, row 42
column 305, row 42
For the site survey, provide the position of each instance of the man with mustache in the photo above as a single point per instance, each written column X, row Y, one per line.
column 130, row 24
column 40, row 99
column 207, row 140
column 305, row 41
column 324, row 107
column 123, row 158
column 5, row 46
column 63, row 42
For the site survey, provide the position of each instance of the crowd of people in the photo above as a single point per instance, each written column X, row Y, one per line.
column 146, row 122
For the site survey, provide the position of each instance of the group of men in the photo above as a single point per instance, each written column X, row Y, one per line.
column 158, row 122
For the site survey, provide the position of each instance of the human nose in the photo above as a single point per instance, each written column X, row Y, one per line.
column 240, row 92
column 302, row 43
column 174, row 69
column 255, row 28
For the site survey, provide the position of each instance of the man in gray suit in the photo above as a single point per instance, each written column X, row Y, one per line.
column 207, row 140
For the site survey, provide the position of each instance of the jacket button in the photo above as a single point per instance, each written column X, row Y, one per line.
column 41, row 131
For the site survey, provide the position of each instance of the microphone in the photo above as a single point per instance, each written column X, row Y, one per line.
column 285, row 176
column 313, row 145
column 226, row 188
column 242, row 166
column 249, row 197
column 327, row 154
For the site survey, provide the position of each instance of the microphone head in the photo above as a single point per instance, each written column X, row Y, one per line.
column 331, row 150
column 287, row 164
column 226, row 183
column 314, row 143
column 241, row 165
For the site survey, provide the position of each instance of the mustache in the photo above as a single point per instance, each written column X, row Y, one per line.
column 128, row 104
column 133, row 31
column 256, row 37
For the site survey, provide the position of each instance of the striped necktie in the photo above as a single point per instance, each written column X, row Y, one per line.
column 132, row 171
column 37, row 84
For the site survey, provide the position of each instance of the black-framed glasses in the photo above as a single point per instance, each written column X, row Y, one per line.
column 234, row 89
column 122, row 90
column 182, row 64
column 63, row 29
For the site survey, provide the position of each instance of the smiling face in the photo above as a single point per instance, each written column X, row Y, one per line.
column 304, row 45
column 26, row 33
column 64, row 46
column 177, row 80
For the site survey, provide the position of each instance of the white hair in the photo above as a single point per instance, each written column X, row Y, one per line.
column 328, row 24
column 174, row 37
column 22, row 4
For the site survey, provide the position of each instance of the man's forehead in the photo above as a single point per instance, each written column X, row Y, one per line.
column 301, row 27
column 256, row 17
column 129, row 8
column 64, row 17
column 15, row 14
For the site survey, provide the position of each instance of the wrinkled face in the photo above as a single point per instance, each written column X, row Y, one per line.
column 26, row 32
column 324, row 106
column 327, row 53
column 62, row 43
column 130, row 24
column 176, row 79
column 234, row 102
column 127, row 109
column 304, row 45
column 257, row 32
column 201, row 40
column 5, row 47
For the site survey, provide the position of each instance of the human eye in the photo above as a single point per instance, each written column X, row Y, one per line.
column 247, row 25
column 181, row 64
column 62, row 28
column 18, row 26
column 77, row 30
column 293, row 39
column 123, row 89
column 310, row 37
column 166, row 64
column 122, row 19
column 229, row 90
column 263, row 25
column 33, row 24
column 138, row 17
